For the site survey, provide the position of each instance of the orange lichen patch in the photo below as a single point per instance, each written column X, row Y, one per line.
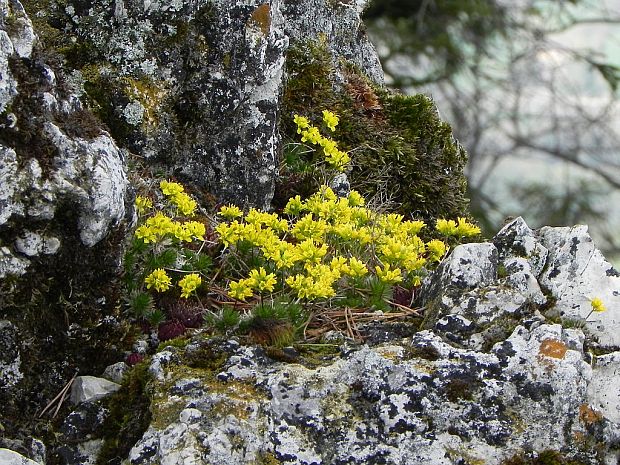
column 553, row 348
column 588, row 415
column 262, row 17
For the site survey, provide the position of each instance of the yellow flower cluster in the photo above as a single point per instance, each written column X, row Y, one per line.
column 462, row 229
column 143, row 204
column 159, row 226
column 159, row 280
column 328, row 238
column 189, row 284
column 175, row 192
column 312, row 135
column 258, row 280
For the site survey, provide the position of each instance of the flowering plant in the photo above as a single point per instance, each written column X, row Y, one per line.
column 165, row 252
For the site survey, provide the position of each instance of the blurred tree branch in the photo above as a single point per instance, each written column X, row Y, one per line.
column 509, row 86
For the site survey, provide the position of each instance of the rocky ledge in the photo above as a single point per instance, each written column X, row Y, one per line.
column 508, row 370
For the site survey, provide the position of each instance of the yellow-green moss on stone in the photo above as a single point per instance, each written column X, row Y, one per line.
column 399, row 146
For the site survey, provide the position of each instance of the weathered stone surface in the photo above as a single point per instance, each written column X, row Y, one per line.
column 80, row 434
column 115, row 372
column 339, row 26
column 195, row 86
column 576, row 272
column 91, row 388
column 10, row 360
column 482, row 291
column 9, row 457
column 65, row 204
column 422, row 401
column 491, row 378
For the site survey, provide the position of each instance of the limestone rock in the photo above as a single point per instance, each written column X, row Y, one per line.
column 91, row 388
column 116, row 372
column 482, row 291
column 576, row 272
column 339, row 25
column 80, row 434
column 9, row 457
column 420, row 401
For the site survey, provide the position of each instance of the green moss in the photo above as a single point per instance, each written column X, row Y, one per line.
column 266, row 458
column 546, row 457
column 400, row 149
column 129, row 415
column 179, row 342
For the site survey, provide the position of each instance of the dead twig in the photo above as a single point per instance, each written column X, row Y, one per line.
column 61, row 395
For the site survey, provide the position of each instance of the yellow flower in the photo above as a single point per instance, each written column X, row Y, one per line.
column 311, row 135
column 466, row 229
column 357, row 268
column 229, row 233
column 413, row 227
column 261, row 281
column 146, row 234
column 597, row 305
column 326, row 193
column 143, row 204
column 240, row 289
column 294, row 206
column 307, row 287
column 446, row 227
column 159, row 280
column 281, row 253
column 309, row 252
column 338, row 159
column 170, row 188
column 196, row 229
column 436, row 250
column 230, row 212
column 308, row 228
column 185, row 204
column 182, row 233
column 189, row 284
column 301, row 122
column 355, row 199
column 413, row 263
column 388, row 276
column 339, row 265
column 330, row 120
column 394, row 251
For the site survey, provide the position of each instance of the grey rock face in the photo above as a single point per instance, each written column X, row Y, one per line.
column 195, row 86
column 576, row 272
column 91, row 388
column 438, row 406
column 339, row 25
column 9, row 457
column 116, row 372
column 482, row 291
column 10, row 359
column 48, row 164
column 80, row 434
